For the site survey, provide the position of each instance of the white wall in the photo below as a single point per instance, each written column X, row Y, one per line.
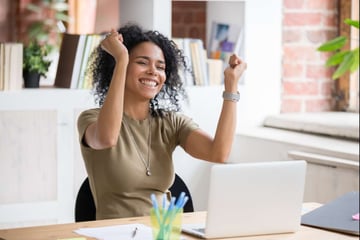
column 150, row 14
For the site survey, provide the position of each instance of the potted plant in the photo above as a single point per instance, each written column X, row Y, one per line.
column 43, row 37
column 35, row 64
column 47, row 29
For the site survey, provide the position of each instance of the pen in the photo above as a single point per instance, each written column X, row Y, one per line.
column 134, row 233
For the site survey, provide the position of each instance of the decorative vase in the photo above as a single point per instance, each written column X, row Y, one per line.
column 31, row 79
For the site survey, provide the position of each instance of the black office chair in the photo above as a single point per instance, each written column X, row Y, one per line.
column 178, row 187
column 85, row 209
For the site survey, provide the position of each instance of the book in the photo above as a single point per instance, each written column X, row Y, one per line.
column 85, row 78
column 198, row 55
column 74, row 55
column 78, row 61
column 186, row 74
column 11, row 58
column 215, row 71
column 7, row 61
column 85, row 57
column 336, row 215
column 67, row 57
column 16, row 68
column 2, row 65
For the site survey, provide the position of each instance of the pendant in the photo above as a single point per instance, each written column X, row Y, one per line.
column 148, row 173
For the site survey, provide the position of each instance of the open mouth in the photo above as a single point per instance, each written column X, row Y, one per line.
column 149, row 82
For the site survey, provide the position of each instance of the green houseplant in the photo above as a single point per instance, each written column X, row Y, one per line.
column 35, row 64
column 44, row 36
column 345, row 60
column 47, row 29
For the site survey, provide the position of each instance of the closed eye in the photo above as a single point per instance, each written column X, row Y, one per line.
column 162, row 68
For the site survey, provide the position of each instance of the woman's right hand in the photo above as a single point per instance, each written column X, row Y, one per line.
column 113, row 44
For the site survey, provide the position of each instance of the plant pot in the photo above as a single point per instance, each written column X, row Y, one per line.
column 31, row 79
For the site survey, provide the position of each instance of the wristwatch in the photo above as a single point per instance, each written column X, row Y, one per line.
column 234, row 97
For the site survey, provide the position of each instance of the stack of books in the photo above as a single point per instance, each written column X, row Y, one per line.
column 201, row 70
column 74, row 58
column 207, row 66
column 11, row 58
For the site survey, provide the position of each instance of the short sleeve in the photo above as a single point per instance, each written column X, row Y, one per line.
column 85, row 119
column 185, row 125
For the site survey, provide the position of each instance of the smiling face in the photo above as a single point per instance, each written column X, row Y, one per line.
column 146, row 71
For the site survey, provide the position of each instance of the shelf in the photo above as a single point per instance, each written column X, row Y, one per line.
column 45, row 98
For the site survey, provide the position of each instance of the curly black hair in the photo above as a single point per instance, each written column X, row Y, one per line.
column 169, row 98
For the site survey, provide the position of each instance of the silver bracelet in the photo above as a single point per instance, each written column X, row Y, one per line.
column 234, row 97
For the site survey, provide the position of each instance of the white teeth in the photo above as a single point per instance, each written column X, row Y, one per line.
column 149, row 83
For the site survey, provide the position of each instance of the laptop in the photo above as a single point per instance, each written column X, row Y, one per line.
column 247, row 199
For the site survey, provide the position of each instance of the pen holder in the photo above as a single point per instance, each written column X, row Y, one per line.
column 166, row 225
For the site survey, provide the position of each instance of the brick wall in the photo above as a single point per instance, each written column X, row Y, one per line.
column 189, row 19
column 7, row 22
column 307, row 84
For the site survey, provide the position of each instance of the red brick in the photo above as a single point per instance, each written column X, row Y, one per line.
column 302, row 19
column 324, row 56
column 178, row 32
column 327, row 88
column 331, row 21
column 316, row 72
column 194, row 32
column 290, row 36
column 300, row 88
column 320, row 36
column 200, row 17
column 293, row 70
column 299, row 53
column 291, row 105
column 318, row 105
column 188, row 17
column 294, row 4
column 321, row 4
column 177, row 17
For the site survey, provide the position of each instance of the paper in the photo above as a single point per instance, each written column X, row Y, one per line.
column 117, row 232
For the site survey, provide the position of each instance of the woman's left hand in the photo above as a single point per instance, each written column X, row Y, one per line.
column 233, row 73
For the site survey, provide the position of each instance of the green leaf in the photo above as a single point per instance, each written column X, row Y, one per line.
column 62, row 17
column 60, row 6
column 333, row 44
column 344, row 66
column 33, row 7
column 354, row 23
column 336, row 59
column 355, row 64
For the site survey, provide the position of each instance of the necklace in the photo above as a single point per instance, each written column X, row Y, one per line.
column 146, row 163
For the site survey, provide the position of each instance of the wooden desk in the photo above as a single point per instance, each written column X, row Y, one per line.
column 58, row 231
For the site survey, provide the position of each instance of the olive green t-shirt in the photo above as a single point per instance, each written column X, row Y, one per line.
column 117, row 175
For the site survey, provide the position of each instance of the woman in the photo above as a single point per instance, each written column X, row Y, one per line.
column 127, row 143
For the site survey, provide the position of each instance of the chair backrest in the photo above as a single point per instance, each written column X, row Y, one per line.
column 85, row 209
column 178, row 187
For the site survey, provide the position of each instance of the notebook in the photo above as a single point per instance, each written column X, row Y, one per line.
column 337, row 215
column 248, row 199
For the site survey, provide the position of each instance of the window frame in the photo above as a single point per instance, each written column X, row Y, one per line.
column 347, row 86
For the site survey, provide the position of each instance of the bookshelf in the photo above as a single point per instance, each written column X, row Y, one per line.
column 49, row 170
